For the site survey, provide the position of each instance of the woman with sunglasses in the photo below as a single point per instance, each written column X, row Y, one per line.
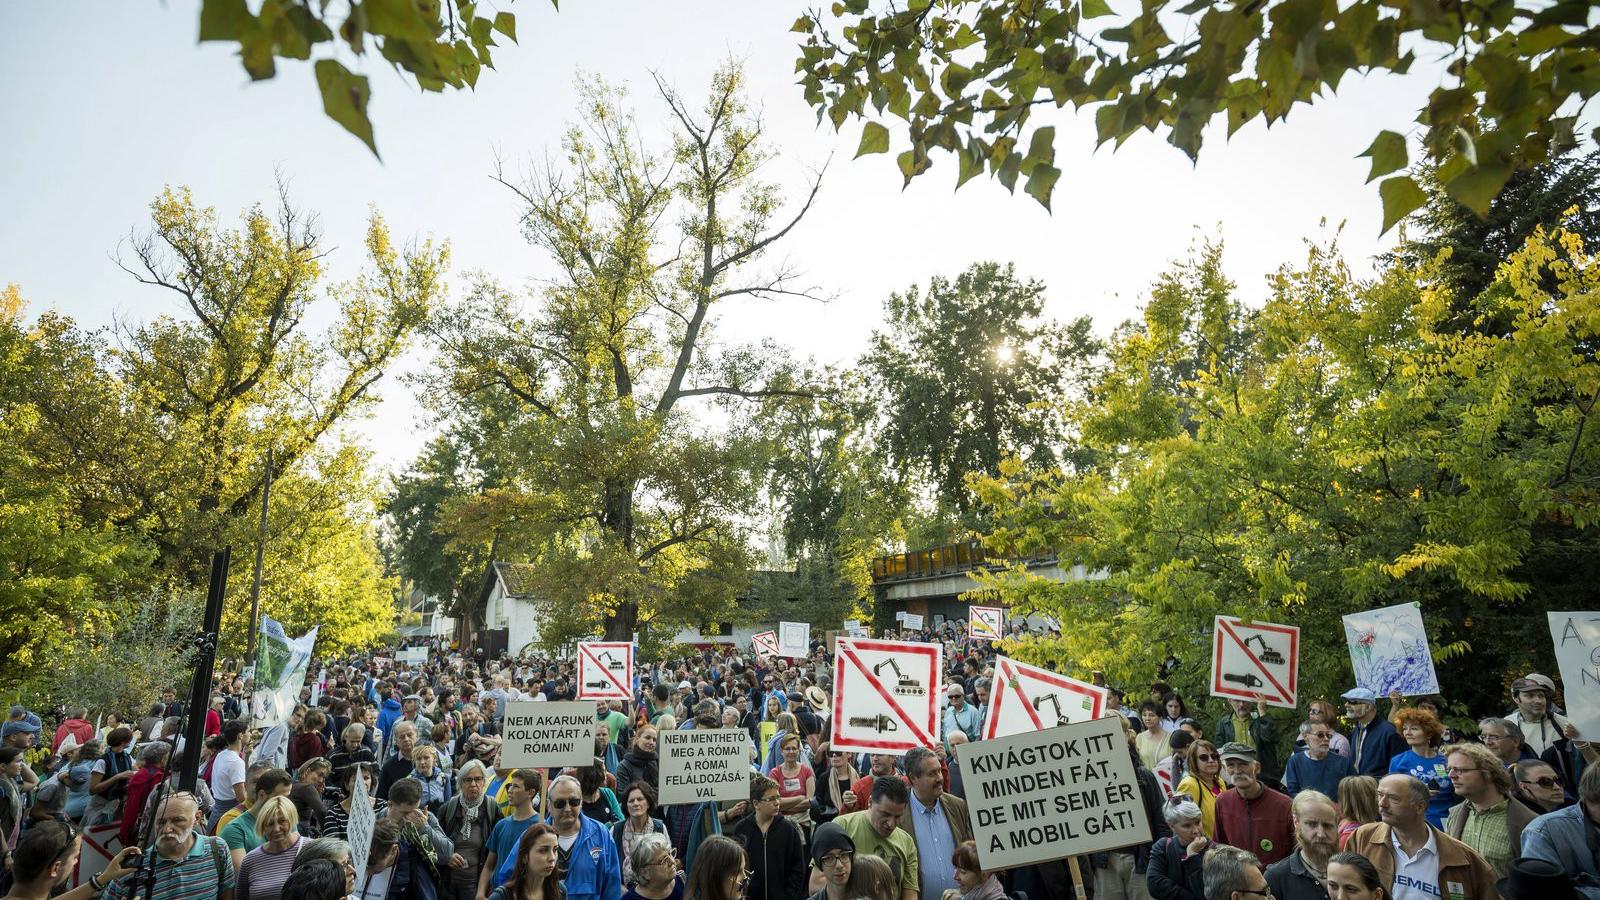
column 720, row 870
column 1202, row 782
column 655, row 870
column 536, row 874
column 833, row 794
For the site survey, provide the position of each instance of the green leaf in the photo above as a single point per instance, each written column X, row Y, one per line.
column 1388, row 153
column 506, row 24
column 801, row 25
column 224, row 20
column 1041, row 182
column 396, row 18
column 344, row 99
column 1093, row 9
column 1400, row 196
column 1478, row 186
column 874, row 139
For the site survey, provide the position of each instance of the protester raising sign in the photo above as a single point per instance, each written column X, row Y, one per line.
column 1577, row 640
column 986, row 623
column 605, row 670
column 547, row 735
column 701, row 764
column 1050, row 794
column 280, row 671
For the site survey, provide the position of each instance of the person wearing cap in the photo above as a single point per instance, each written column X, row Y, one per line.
column 1373, row 741
column 1250, row 815
column 1567, row 838
column 833, row 855
column 960, row 715
column 876, row 831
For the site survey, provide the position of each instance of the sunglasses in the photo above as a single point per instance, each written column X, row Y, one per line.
column 1547, row 782
column 565, row 804
column 1205, row 757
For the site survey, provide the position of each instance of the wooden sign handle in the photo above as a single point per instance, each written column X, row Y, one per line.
column 1077, row 878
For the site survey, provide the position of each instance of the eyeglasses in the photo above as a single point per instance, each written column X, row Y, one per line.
column 1205, row 757
column 1486, row 738
column 829, row 860
column 773, row 798
column 835, row 752
column 573, row 803
column 1458, row 770
column 1547, row 782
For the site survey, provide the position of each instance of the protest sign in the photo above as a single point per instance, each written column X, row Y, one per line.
column 412, row 655
column 986, row 623
column 1577, row 639
column 1389, row 651
column 794, row 639
column 1027, row 698
column 886, row 695
column 281, row 663
column 547, row 735
column 765, row 643
column 358, row 830
column 912, row 620
column 605, row 670
column 1256, row 659
column 854, row 628
column 1045, row 795
column 701, row 764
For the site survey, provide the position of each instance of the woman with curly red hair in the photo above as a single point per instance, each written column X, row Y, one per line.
column 1422, row 731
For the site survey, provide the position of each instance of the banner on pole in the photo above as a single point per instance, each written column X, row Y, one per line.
column 794, row 639
column 605, row 670
column 1389, row 651
column 1577, row 639
column 912, row 621
column 1256, row 659
column 280, row 672
column 886, row 695
column 765, row 643
column 701, row 764
column 854, row 628
column 1027, row 698
column 986, row 623
column 547, row 735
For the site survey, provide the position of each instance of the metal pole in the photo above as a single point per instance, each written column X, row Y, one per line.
column 261, row 549
column 205, row 659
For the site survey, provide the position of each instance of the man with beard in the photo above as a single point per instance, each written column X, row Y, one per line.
column 184, row 865
column 1304, row 873
column 45, row 859
column 1250, row 815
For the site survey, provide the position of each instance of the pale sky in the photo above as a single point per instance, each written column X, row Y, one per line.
column 107, row 102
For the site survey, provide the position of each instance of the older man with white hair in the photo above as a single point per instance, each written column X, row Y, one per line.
column 183, row 863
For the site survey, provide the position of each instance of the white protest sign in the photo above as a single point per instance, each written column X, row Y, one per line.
column 986, row 622
column 605, row 670
column 700, row 764
column 854, row 628
column 886, row 695
column 1389, row 651
column 1577, row 639
column 412, row 655
column 547, row 735
column 794, row 639
column 1050, row 794
column 358, row 831
column 900, row 615
column 1259, row 658
column 1027, row 698
column 765, row 643
column 912, row 620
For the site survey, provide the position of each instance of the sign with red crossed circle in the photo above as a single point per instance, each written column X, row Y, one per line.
column 1027, row 698
column 886, row 695
column 765, row 643
column 605, row 670
column 1255, row 660
column 987, row 623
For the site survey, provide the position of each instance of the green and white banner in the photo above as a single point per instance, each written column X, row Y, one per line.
column 281, row 663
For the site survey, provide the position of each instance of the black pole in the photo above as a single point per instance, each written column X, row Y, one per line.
column 261, row 549
column 205, row 659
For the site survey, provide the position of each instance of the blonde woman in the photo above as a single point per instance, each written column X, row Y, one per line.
column 266, row 868
column 1202, row 783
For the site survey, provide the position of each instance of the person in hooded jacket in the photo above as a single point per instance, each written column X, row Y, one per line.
column 640, row 762
column 776, row 848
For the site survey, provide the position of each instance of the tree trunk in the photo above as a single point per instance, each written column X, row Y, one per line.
column 617, row 517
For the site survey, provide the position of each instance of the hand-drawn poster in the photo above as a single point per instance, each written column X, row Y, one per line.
column 1389, row 651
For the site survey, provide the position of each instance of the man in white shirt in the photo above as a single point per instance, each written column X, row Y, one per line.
column 227, row 773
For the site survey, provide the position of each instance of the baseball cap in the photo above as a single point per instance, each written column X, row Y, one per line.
column 1360, row 695
column 1534, row 682
column 11, row 728
column 1236, row 750
column 685, row 686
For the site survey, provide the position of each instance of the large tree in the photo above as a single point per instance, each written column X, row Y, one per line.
column 966, row 75
column 968, row 372
column 629, row 503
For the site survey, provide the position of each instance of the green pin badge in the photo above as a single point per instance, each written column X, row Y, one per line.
column 1266, row 845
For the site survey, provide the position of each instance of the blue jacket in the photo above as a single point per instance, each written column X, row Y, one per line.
column 1374, row 746
column 387, row 716
column 594, row 871
column 1560, row 838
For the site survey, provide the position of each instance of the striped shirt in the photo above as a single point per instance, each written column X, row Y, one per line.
column 206, row 871
column 337, row 821
column 262, row 874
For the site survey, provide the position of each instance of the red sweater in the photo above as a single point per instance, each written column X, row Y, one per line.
column 139, row 787
column 78, row 728
column 1263, row 826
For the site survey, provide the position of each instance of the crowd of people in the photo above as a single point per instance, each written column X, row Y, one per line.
column 1345, row 805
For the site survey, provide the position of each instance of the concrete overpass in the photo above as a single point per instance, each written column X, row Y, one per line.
column 930, row 581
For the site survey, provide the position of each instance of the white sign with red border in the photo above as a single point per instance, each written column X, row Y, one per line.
column 605, row 670
column 886, row 695
column 1027, row 698
column 987, row 622
column 1255, row 659
column 794, row 639
column 765, row 643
